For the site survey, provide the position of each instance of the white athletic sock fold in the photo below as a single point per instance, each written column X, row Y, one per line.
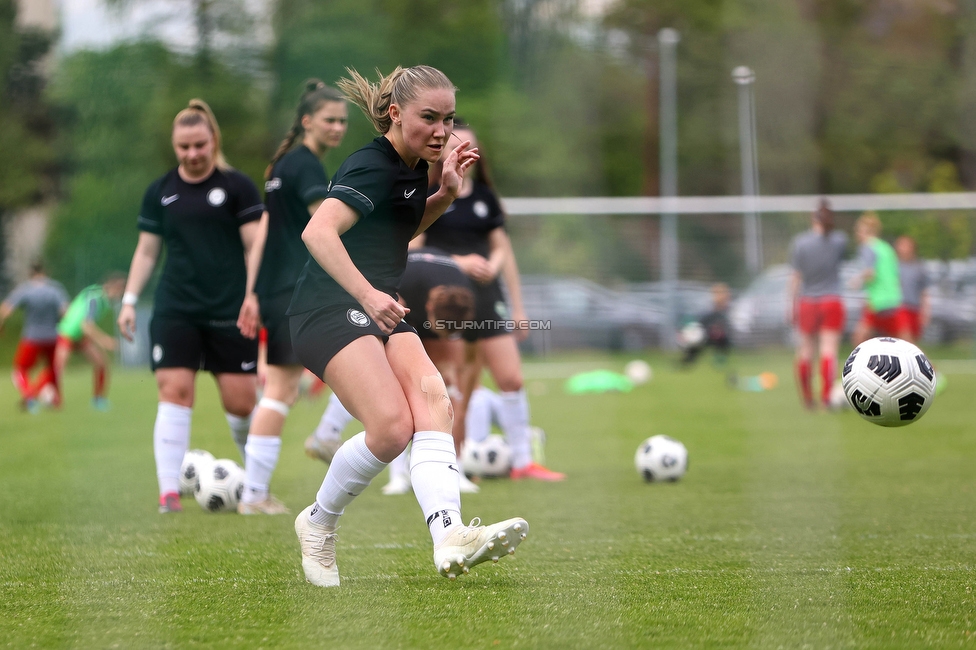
column 333, row 421
column 435, row 474
column 238, row 431
column 514, row 415
column 477, row 420
column 171, row 439
column 400, row 466
column 352, row 469
column 259, row 464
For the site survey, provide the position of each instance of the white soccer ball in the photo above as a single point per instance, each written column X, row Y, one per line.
column 194, row 461
column 490, row 458
column 638, row 371
column 691, row 335
column 47, row 395
column 219, row 486
column 660, row 458
column 889, row 381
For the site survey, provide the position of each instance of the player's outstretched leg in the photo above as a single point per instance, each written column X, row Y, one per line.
column 434, row 473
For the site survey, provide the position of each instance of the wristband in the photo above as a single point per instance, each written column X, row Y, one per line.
column 129, row 298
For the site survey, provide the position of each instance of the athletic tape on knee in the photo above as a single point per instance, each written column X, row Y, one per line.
column 275, row 405
column 438, row 402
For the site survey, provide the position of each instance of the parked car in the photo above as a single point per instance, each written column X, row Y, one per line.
column 760, row 315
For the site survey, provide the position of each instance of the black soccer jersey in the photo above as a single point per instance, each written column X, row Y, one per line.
column 427, row 268
column 297, row 180
column 204, row 275
column 390, row 199
column 464, row 228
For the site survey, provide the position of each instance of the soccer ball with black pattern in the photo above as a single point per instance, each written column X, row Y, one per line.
column 661, row 458
column 489, row 458
column 219, row 488
column 889, row 381
column 194, row 462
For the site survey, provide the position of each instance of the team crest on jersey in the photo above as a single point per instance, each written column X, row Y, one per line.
column 481, row 209
column 501, row 309
column 157, row 353
column 216, row 197
column 357, row 318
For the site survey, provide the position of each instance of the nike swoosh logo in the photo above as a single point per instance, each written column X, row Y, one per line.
column 453, row 468
column 248, row 365
column 407, row 194
column 166, row 200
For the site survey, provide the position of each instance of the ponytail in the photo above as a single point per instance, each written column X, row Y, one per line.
column 315, row 94
column 400, row 87
column 198, row 112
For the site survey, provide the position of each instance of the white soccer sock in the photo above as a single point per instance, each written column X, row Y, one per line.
column 171, row 439
column 400, row 466
column 333, row 421
column 434, row 473
column 259, row 464
column 477, row 420
column 353, row 467
column 514, row 415
column 238, row 431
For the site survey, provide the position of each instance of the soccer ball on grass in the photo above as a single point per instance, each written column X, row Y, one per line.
column 194, row 462
column 219, row 486
column 491, row 457
column 661, row 458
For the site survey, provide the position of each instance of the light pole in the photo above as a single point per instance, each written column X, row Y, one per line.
column 744, row 78
column 668, row 40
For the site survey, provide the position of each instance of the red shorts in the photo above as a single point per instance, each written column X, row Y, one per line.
column 818, row 314
column 913, row 321
column 28, row 352
column 890, row 322
column 71, row 344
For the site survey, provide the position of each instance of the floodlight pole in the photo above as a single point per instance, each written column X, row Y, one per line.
column 668, row 40
column 744, row 78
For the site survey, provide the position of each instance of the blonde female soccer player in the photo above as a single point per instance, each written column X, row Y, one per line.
column 206, row 213
column 346, row 322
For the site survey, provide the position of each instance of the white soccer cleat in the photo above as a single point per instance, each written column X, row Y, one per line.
column 270, row 505
column 399, row 484
column 318, row 551
column 471, row 545
column 323, row 451
column 467, row 486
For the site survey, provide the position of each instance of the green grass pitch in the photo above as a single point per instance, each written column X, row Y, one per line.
column 790, row 530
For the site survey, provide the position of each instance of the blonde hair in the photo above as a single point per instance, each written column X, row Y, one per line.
column 870, row 222
column 400, row 87
column 198, row 112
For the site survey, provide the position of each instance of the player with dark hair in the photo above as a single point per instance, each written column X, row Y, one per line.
column 44, row 301
column 207, row 215
column 347, row 325
column 472, row 232
column 296, row 184
column 818, row 311
column 440, row 300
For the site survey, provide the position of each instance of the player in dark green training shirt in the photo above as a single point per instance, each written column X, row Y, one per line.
column 207, row 214
column 347, row 326
column 295, row 186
